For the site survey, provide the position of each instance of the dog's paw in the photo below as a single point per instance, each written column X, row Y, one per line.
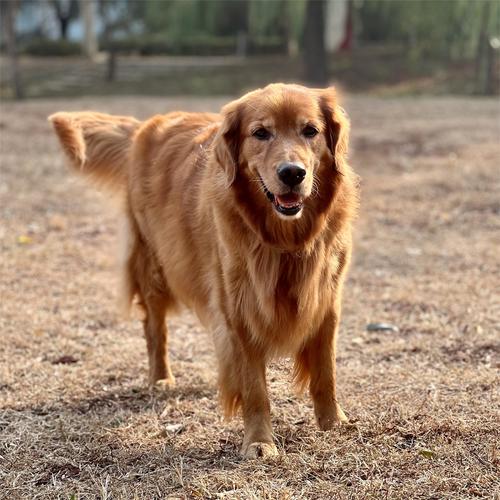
column 259, row 450
column 163, row 384
column 328, row 419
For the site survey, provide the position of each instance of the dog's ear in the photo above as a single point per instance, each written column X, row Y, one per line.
column 228, row 140
column 337, row 126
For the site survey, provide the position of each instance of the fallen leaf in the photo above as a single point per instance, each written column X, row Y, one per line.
column 425, row 452
column 65, row 360
column 24, row 239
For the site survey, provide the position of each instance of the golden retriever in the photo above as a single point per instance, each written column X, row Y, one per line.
column 244, row 217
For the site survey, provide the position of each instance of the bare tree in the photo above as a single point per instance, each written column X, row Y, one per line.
column 9, row 20
column 66, row 11
column 314, row 43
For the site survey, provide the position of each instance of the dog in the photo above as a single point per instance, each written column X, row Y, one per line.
column 245, row 217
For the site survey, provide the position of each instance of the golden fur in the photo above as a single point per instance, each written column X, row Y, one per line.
column 203, row 234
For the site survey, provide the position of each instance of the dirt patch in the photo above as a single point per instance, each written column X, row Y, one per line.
column 77, row 421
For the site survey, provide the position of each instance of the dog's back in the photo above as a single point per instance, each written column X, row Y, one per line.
column 167, row 198
column 158, row 166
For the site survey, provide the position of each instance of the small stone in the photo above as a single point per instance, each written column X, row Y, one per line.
column 381, row 327
column 413, row 251
column 174, row 428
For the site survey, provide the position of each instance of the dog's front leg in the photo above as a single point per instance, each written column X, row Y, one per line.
column 242, row 380
column 317, row 362
column 258, row 439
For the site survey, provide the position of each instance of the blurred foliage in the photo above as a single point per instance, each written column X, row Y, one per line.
column 438, row 28
column 201, row 27
column 199, row 45
column 444, row 29
column 449, row 41
column 46, row 47
column 182, row 18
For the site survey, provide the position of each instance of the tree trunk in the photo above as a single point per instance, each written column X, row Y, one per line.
column 292, row 43
column 346, row 44
column 90, row 40
column 243, row 31
column 492, row 67
column 63, row 27
column 482, row 49
column 10, row 30
column 65, row 11
column 314, row 43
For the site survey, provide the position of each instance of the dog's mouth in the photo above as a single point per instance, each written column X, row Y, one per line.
column 287, row 204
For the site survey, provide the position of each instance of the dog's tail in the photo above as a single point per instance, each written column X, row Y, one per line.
column 98, row 145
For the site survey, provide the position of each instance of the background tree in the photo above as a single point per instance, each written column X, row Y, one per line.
column 486, row 54
column 314, row 43
column 9, row 11
column 90, row 46
column 65, row 11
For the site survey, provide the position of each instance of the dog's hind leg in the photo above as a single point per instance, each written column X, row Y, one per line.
column 144, row 279
column 156, row 332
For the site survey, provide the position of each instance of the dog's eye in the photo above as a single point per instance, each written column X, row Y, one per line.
column 309, row 131
column 262, row 134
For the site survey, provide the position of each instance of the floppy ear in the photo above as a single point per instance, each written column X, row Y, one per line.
column 227, row 142
column 337, row 126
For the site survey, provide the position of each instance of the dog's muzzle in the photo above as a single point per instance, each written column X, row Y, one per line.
column 286, row 204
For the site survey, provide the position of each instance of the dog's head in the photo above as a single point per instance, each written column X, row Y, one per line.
column 281, row 148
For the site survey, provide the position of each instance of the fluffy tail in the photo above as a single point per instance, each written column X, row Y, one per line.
column 98, row 145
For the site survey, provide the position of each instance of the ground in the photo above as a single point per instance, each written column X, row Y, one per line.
column 77, row 419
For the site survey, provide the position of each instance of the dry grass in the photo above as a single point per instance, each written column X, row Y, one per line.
column 77, row 421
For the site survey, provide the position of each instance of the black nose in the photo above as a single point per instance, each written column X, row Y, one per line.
column 291, row 174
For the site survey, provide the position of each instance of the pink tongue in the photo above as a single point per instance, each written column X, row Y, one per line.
column 288, row 200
